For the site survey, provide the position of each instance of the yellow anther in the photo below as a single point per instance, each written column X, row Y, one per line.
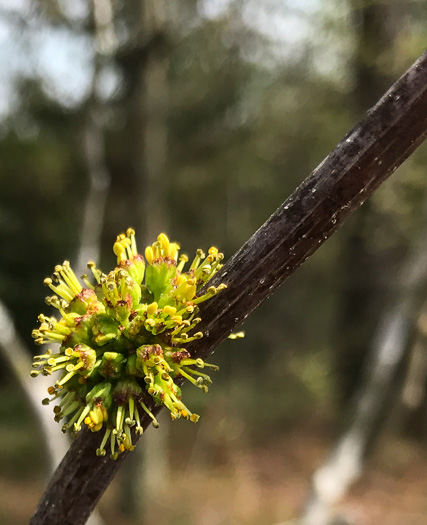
column 213, row 251
column 237, row 335
column 119, row 250
column 96, row 417
column 157, row 249
column 180, row 279
column 96, row 428
column 126, row 442
column 130, row 232
column 47, row 281
column 164, row 242
column 190, row 292
column 177, row 319
column 169, row 310
column 149, row 254
column 152, row 308
column 172, row 250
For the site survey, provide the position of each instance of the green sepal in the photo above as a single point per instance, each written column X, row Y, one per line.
column 148, row 355
column 112, row 365
column 101, row 392
column 134, row 292
column 82, row 302
column 158, row 277
column 146, row 296
column 126, row 389
column 87, row 355
column 136, row 331
column 104, row 329
column 121, row 310
column 81, row 332
column 131, row 367
column 135, row 268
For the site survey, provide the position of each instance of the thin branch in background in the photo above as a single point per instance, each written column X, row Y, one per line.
column 413, row 392
column 106, row 39
column 15, row 353
column 365, row 158
column 345, row 463
column 94, row 211
column 105, row 44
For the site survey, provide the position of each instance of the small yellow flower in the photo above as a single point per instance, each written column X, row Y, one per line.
column 121, row 338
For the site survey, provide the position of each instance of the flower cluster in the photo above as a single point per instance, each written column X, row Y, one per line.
column 122, row 339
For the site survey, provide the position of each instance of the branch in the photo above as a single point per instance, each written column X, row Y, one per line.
column 366, row 157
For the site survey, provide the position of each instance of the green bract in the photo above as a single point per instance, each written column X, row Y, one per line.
column 123, row 340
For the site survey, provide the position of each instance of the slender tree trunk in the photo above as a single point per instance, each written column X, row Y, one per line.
column 380, row 383
column 17, row 357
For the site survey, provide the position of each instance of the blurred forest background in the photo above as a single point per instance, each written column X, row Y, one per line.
column 198, row 118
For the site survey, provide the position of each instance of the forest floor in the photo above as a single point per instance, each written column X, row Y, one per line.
column 262, row 485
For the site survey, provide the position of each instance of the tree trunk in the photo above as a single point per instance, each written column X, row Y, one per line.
column 380, row 383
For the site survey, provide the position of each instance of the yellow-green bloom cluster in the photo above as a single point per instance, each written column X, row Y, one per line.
column 122, row 339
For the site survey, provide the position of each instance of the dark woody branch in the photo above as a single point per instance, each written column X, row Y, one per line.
column 366, row 157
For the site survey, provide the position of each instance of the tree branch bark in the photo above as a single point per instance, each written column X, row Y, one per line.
column 366, row 157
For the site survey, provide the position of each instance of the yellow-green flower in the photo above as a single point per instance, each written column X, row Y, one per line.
column 122, row 339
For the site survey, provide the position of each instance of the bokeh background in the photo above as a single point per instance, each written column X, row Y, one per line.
column 198, row 118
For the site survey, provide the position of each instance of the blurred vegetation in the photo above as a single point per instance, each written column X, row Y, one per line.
column 256, row 95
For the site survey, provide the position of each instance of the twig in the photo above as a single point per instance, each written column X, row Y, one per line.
column 369, row 154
